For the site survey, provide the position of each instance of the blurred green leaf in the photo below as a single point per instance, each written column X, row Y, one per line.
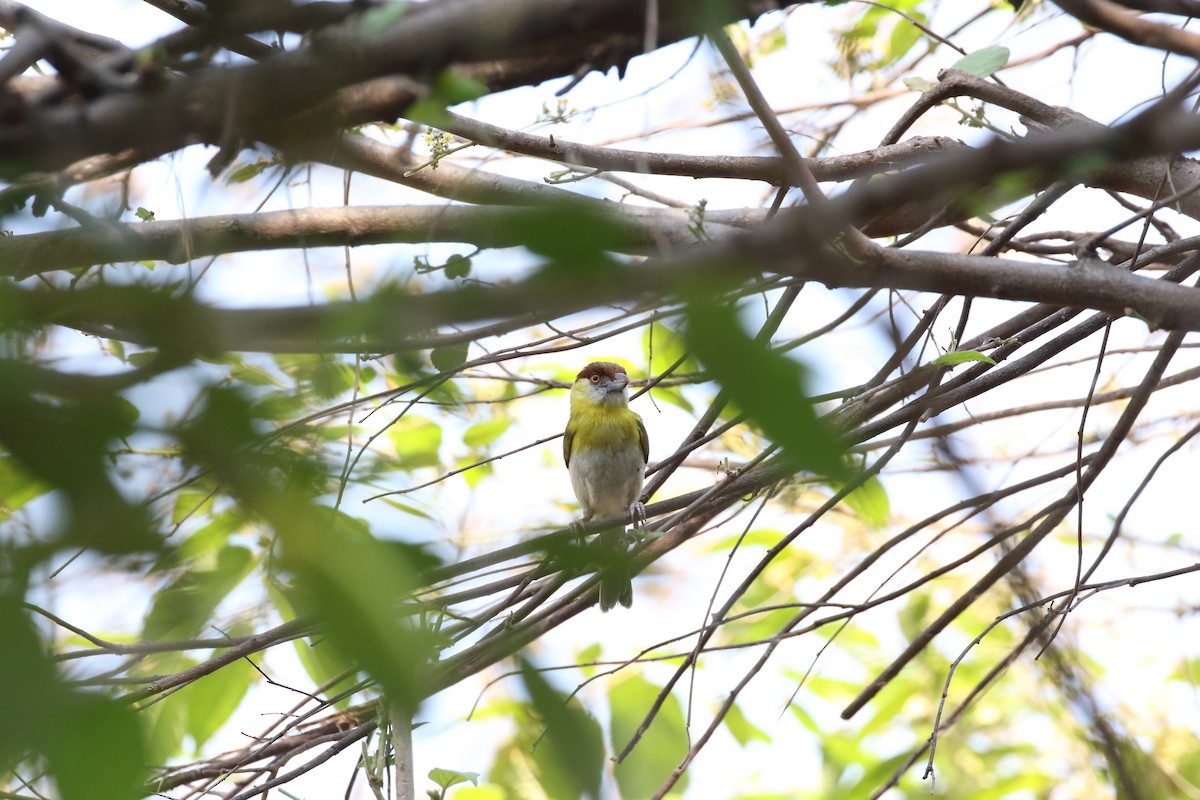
column 766, row 384
column 956, row 357
column 484, row 433
column 904, row 36
column 449, row 88
column 206, row 542
column 870, row 503
column 248, row 171
column 457, row 266
column 323, row 662
column 450, row 356
column 446, row 778
column 489, row 791
column 253, row 375
column 586, row 656
column 380, row 18
column 359, row 588
column 93, row 745
column 182, row 608
column 454, row 87
column 914, row 615
column 571, row 237
column 417, row 441
column 982, row 63
column 742, row 728
column 212, row 699
column 95, row 748
column 1188, row 671
column 405, row 507
column 660, row 749
column 66, row 442
column 331, row 378
column 476, row 473
column 17, row 487
column 570, row 755
column 772, row 41
column 189, row 502
column 663, row 347
column 166, row 720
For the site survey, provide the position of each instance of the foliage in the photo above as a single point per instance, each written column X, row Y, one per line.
column 280, row 477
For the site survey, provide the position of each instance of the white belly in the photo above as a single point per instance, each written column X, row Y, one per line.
column 607, row 482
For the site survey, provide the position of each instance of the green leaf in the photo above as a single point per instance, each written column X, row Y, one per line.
column 247, row 172
column 660, row 749
column 904, row 36
column 143, row 358
column 189, row 502
column 96, row 750
column 255, row 376
column 449, row 89
column 17, row 487
column 743, row 729
column 92, row 745
column 331, row 377
column 569, row 758
column 406, row 508
column 380, row 18
column 486, row 792
column 474, row 474
column 1188, row 671
column 183, row 607
column 206, row 543
column 449, row 357
column 483, row 433
column 322, row 661
column 767, row 385
column 772, row 41
column 667, row 346
column 571, row 237
column 586, row 657
column 417, row 441
column 457, row 266
column 212, row 699
column 166, row 721
column 446, row 778
column 454, row 87
column 870, row 503
column 359, row 587
column 913, row 616
column 956, row 357
column 982, row 63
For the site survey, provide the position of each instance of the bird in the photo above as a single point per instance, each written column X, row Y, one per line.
column 606, row 450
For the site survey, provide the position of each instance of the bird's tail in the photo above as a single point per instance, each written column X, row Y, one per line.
column 616, row 581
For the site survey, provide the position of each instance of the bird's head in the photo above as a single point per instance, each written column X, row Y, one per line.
column 601, row 382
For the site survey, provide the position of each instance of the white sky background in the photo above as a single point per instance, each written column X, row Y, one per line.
column 1128, row 643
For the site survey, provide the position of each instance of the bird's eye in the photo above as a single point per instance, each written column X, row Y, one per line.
column 595, row 379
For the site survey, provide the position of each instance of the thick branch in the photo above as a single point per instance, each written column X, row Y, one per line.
column 225, row 105
column 649, row 231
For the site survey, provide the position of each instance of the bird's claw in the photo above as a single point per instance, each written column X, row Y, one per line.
column 638, row 512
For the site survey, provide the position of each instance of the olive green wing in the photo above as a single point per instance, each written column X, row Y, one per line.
column 643, row 440
column 568, row 440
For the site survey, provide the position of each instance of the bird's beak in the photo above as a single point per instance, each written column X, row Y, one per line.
column 619, row 383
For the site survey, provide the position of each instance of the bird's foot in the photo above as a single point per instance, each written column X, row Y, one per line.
column 638, row 512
